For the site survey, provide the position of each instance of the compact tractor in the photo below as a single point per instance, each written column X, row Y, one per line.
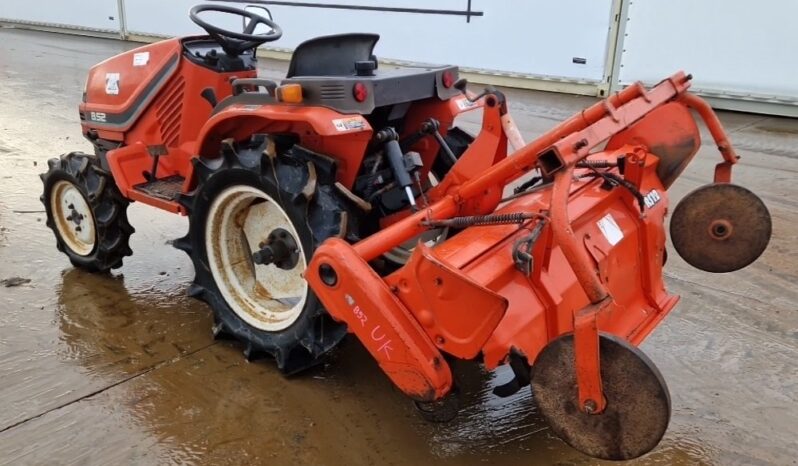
column 343, row 199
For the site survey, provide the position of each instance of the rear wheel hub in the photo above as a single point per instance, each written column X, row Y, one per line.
column 280, row 249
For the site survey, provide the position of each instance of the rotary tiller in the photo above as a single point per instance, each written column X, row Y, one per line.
column 344, row 199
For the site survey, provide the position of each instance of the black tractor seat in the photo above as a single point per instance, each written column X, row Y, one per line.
column 329, row 68
column 333, row 55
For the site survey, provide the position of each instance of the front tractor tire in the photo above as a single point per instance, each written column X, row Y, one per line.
column 86, row 212
column 254, row 222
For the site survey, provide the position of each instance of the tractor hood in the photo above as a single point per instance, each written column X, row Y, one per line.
column 120, row 88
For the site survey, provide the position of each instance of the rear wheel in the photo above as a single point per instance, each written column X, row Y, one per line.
column 241, row 221
column 254, row 222
column 86, row 212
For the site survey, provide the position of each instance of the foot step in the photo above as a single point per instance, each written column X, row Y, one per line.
column 167, row 188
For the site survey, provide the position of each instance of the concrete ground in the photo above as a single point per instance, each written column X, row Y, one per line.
column 122, row 369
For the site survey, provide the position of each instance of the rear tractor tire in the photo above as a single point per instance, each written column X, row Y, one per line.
column 86, row 212
column 254, row 222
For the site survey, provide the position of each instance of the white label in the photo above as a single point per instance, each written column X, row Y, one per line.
column 346, row 124
column 652, row 199
column 465, row 104
column 610, row 229
column 99, row 117
column 112, row 83
column 141, row 58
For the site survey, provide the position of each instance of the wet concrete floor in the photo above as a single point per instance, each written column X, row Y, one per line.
column 122, row 369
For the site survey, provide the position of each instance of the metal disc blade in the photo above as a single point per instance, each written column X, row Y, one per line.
column 720, row 228
column 638, row 403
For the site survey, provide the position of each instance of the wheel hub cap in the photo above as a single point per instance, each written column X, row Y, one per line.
column 73, row 218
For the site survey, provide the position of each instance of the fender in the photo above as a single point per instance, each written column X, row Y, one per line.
column 320, row 129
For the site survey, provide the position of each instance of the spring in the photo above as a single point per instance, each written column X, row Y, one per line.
column 493, row 219
column 595, row 164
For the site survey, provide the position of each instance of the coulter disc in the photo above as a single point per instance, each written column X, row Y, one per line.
column 638, row 403
column 720, row 228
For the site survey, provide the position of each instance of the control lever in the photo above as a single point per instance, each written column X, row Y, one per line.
column 210, row 95
column 462, row 86
column 432, row 127
column 393, row 151
column 508, row 124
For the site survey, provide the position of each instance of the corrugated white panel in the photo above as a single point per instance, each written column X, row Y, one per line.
column 566, row 38
column 93, row 14
column 733, row 47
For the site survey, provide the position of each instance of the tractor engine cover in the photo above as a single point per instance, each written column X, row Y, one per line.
column 119, row 89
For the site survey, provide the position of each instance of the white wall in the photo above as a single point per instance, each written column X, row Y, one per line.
column 739, row 50
column 170, row 17
column 517, row 36
column 94, row 14
column 741, row 46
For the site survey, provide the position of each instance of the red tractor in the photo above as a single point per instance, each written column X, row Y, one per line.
column 343, row 199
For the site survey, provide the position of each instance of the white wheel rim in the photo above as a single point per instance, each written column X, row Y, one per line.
column 73, row 218
column 264, row 296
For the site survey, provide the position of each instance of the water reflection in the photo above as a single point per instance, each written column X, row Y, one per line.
column 201, row 402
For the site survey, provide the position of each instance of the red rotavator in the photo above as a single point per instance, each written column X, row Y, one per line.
column 344, row 199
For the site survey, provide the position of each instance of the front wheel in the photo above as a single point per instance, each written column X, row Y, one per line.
column 254, row 223
column 86, row 212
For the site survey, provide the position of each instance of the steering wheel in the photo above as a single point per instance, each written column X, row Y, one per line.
column 232, row 42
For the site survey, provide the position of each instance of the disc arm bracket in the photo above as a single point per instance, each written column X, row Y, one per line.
column 587, row 359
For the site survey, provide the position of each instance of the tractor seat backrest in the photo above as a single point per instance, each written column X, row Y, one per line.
column 332, row 55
